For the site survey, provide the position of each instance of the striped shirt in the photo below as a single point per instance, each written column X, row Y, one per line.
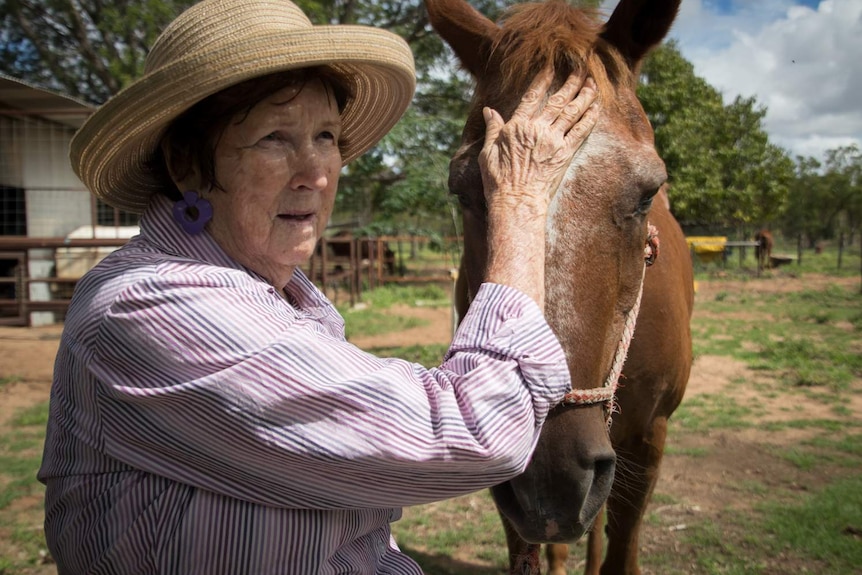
column 202, row 423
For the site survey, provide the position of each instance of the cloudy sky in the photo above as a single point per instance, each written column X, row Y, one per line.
column 802, row 59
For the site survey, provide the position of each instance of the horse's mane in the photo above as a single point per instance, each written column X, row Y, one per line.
column 538, row 33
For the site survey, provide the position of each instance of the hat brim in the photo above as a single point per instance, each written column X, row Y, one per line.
column 111, row 151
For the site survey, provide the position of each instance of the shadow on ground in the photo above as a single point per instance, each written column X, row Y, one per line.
column 443, row 565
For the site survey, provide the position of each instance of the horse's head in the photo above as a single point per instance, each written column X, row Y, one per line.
column 596, row 229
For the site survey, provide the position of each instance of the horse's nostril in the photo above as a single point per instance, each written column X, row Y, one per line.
column 599, row 489
column 604, row 472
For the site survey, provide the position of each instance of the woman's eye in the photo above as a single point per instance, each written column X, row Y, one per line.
column 272, row 137
column 326, row 135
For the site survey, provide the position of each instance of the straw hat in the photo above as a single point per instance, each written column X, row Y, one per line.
column 216, row 44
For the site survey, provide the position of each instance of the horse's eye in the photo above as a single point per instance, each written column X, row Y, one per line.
column 463, row 199
column 645, row 204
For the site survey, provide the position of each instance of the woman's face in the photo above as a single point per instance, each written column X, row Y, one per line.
column 279, row 171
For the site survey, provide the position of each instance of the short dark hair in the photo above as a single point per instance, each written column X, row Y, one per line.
column 192, row 137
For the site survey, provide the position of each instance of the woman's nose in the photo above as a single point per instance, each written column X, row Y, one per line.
column 310, row 172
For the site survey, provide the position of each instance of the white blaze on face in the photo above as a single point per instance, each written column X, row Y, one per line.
column 598, row 144
column 565, row 233
column 640, row 158
column 562, row 228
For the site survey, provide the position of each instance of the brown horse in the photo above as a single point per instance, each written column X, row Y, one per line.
column 596, row 233
column 763, row 249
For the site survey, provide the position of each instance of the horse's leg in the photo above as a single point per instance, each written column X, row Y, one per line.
column 639, row 458
column 596, row 544
column 557, row 553
column 523, row 556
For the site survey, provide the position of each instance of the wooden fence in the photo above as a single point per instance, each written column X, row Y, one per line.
column 342, row 267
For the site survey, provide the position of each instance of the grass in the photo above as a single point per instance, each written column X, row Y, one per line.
column 835, row 449
column 810, row 338
column 22, row 543
column 825, row 525
column 373, row 317
column 805, row 345
column 470, row 518
column 374, row 321
column 713, row 411
column 812, row 263
column 427, row 355
column 8, row 380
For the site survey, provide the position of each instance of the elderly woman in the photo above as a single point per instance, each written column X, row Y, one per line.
column 207, row 414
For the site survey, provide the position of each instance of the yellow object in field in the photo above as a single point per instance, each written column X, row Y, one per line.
column 707, row 248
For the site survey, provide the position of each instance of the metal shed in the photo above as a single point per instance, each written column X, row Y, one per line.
column 41, row 200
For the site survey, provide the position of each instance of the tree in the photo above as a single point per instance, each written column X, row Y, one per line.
column 844, row 180
column 722, row 168
column 88, row 49
column 826, row 198
column 805, row 211
column 756, row 174
column 681, row 106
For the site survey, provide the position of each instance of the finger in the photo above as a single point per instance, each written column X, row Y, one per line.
column 579, row 132
column 564, row 96
column 574, row 109
column 493, row 125
column 532, row 99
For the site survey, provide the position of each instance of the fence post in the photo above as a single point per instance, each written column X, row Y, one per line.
column 799, row 250
column 840, row 249
column 323, row 262
column 354, row 272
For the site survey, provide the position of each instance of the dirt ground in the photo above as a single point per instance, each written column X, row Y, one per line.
column 701, row 488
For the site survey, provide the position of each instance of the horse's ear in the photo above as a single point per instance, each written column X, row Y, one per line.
column 468, row 33
column 636, row 26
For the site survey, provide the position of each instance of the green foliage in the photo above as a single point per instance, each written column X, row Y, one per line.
column 825, row 198
column 721, row 166
column 87, row 48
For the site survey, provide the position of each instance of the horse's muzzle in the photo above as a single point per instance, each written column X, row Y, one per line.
column 557, row 504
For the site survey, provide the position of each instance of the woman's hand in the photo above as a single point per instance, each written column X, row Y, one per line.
column 522, row 163
column 525, row 158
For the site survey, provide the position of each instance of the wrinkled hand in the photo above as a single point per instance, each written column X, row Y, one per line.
column 524, row 159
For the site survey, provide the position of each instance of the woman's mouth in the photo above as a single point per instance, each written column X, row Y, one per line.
column 297, row 217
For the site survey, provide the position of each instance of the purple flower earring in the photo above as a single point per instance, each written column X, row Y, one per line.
column 193, row 212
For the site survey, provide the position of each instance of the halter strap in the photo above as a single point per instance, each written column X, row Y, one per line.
column 607, row 392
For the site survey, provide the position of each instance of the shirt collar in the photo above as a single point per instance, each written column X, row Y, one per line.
column 159, row 227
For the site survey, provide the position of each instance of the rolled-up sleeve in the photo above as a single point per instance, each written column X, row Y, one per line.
column 218, row 383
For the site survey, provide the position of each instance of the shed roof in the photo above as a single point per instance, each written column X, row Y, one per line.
column 18, row 97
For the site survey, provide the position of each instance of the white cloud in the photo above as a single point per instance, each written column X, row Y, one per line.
column 803, row 63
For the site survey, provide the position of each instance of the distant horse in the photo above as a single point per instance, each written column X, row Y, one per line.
column 763, row 249
column 597, row 234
